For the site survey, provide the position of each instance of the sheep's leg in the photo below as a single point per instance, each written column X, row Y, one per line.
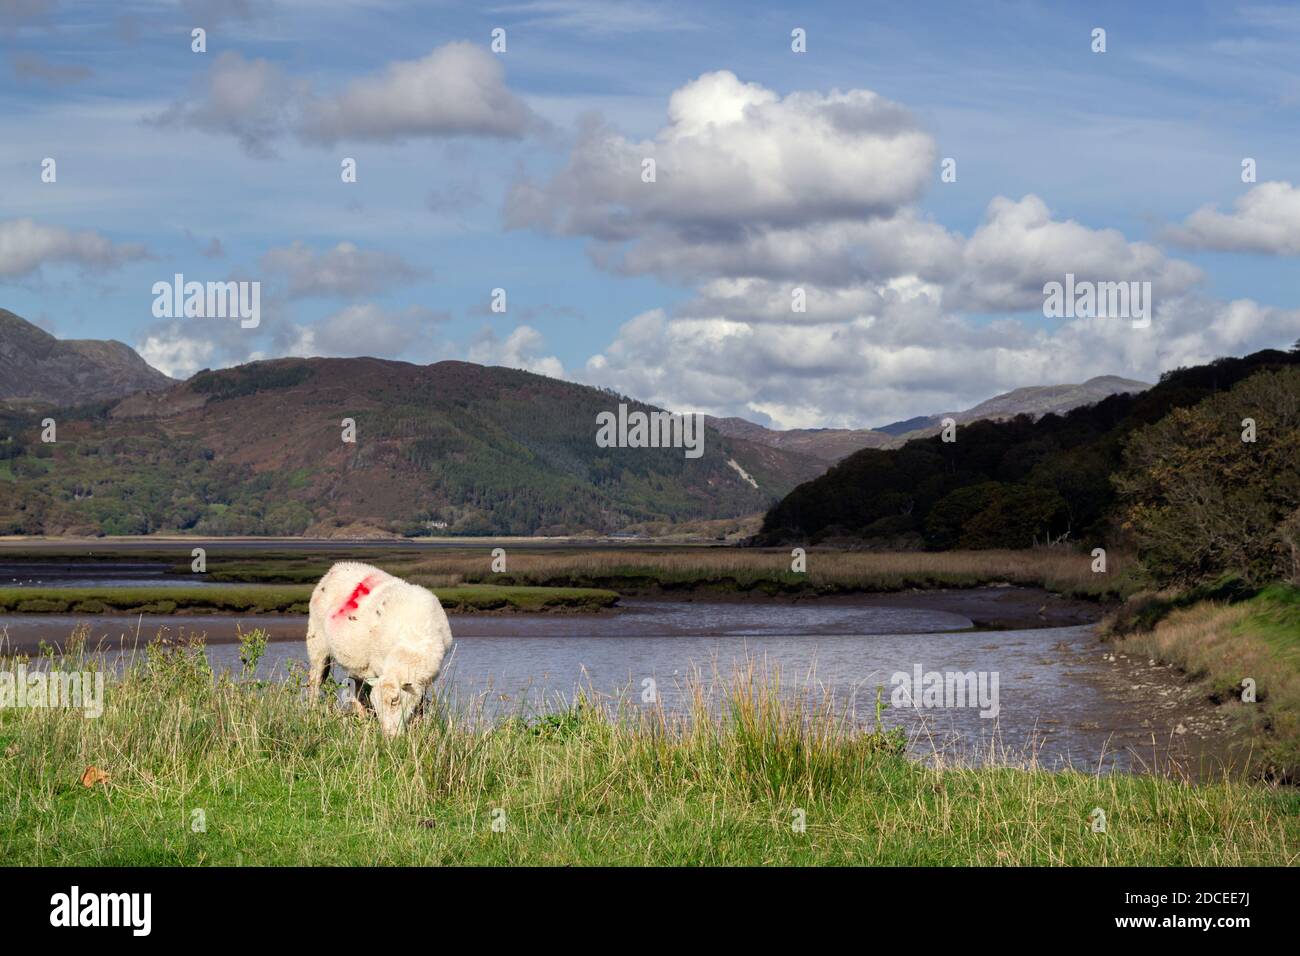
column 318, row 664
column 361, row 698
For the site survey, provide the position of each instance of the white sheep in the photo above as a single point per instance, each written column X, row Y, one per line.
column 386, row 633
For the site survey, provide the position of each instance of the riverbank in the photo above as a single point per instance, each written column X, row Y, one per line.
column 187, row 771
column 1219, row 646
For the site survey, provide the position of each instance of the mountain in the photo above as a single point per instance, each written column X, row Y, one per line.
column 1002, row 483
column 1040, row 400
column 908, row 425
column 445, row 448
column 37, row 367
column 1035, row 400
column 826, row 444
column 834, row 444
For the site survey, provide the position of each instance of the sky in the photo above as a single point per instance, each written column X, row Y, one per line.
column 781, row 178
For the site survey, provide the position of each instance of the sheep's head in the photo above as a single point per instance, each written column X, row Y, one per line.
column 394, row 702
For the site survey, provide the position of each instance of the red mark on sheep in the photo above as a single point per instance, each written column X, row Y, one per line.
column 354, row 599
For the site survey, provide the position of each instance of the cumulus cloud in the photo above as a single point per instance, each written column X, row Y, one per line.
column 458, row 89
column 918, row 359
column 811, row 190
column 520, row 349
column 181, row 347
column 734, row 158
column 344, row 271
column 251, row 100
column 364, row 329
column 849, row 270
column 1266, row 219
column 1019, row 247
column 759, row 196
column 26, row 246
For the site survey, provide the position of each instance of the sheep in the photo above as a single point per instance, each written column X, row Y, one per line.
column 386, row 633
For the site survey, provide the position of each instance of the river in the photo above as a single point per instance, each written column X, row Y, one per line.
column 1061, row 701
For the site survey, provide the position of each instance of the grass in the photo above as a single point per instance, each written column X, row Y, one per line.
column 275, row 599
column 227, row 771
column 1219, row 644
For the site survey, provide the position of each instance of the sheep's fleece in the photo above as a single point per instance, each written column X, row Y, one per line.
column 390, row 634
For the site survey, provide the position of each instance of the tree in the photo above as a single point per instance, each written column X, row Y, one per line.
column 1202, row 500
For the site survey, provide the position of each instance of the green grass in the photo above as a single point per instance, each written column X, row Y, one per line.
column 278, row 599
column 280, row 783
column 1275, row 619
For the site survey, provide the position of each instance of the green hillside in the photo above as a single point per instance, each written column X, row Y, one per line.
column 451, row 448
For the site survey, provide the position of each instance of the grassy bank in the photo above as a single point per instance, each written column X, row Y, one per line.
column 275, row 782
column 280, row 599
column 1219, row 645
column 740, row 570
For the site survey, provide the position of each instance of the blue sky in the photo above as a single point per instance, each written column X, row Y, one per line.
column 923, row 298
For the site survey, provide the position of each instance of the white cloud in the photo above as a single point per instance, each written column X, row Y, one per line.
column 734, row 158
column 758, row 195
column 344, row 270
column 1266, row 219
column 365, row 329
column 1019, row 247
column 26, row 246
column 520, row 349
column 178, row 356
column 251, row 100
column 181, row 347
column 914, row 359
column 458, row 89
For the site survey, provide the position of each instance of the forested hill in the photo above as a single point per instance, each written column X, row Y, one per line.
column 445, row 448
column 1000, row 484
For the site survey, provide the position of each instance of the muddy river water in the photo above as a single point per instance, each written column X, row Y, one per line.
column 1055, row 696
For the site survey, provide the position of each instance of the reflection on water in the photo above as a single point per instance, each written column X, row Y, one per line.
column 1058, row 702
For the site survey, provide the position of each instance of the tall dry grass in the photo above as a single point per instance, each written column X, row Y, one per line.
column 828, row 571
